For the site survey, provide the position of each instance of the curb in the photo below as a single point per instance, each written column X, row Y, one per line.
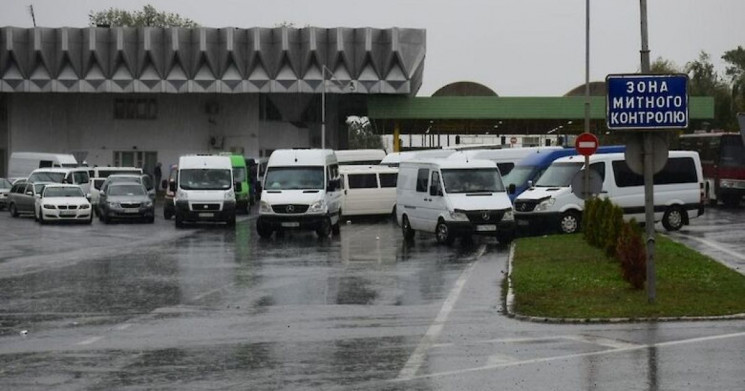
column 509, row 305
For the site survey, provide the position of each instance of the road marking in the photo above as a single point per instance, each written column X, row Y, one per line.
column 417, row 358
column 716, row 246
column 123, row 327
column 607, row 342
column 577, row 355
column 90, row 341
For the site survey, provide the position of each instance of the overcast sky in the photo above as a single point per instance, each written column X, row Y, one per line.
column 515, row 47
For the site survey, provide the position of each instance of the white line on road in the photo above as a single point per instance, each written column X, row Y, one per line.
column 417, row 358
column 90, row 341
column 716, row 246
column 577, row 355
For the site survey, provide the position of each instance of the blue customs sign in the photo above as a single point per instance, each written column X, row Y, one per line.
column 647, row 101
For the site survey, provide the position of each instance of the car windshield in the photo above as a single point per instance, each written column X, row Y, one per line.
column 126, row 190
column 62, row 192
column 121, row 179
column 559, row 175
column 56, row 177
column 472, row 180
column 294, row 178
column 519, row 175
column 106, row 173
column 5, row 184
column 205, row 179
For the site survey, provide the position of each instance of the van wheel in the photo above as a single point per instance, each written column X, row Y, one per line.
column 167, row 214
column 406, row 228
column 325, row 229
column 672, row 220
column 569, row 222
column 442, row 233
column 335, row 229
column 263, row 230
column 13, row 210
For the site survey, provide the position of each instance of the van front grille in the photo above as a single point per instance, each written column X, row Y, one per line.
column 290, row 208
column 525, row 206
column 485, row 216
column 205, row 207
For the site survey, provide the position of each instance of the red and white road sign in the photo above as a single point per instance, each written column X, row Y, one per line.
column 586, row 144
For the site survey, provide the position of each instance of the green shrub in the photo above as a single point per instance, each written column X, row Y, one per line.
column 613, row 225
column 588, row 219
column 632, row 254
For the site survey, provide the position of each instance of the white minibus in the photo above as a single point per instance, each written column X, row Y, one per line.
column 678, row 192
column 359, row 156
column 368, row 190
column 21, row 164
column 204, row 190
column 301, row 191
column 451, row 198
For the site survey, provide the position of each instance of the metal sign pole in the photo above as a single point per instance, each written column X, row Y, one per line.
column 648, row 170
column 586, row 180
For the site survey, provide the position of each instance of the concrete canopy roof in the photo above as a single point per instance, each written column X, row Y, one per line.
column 211, row 60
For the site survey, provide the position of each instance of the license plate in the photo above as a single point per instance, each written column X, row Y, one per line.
column 131, row 211
column 291, row 224
column 523, row 223
column 206, row 215
column 487, row 227
column 67, row 214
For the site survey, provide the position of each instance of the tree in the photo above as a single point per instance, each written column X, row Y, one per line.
column 704, row 81
column 148, row 17
column 661, row 66
column 361, row 135
column 735, row 70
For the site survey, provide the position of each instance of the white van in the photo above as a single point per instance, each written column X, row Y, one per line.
column 393, row 159
column 452, row 197
column 505, row 158
column 359, row 156
column 678, row 192
column 368, row 190
column 301, row 190
column 74, row 176
column 204, row 189
column 21, row 164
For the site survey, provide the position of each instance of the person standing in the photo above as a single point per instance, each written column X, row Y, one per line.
column 157, row 173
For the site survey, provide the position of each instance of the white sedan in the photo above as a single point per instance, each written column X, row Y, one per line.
column 60, row 202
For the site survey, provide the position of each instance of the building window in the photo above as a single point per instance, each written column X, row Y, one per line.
column 131, row 108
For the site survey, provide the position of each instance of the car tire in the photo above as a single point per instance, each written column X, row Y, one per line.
column 151, row 220
column 41, row 219
column 105, row 218
column 324, row 230
column 167, row 214
column 13, row 210
column 443, row 234
column 264, row 231
column 672, row 220
column 505, row 238
column 731, row 200
column 230, row 222
column 336, row 229
column 569, row 222
column 179, row 221
column 406, row 230
column 90, row 220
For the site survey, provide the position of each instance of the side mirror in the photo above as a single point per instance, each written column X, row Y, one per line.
column 511, row 189
column 238, row 187
column 30, row 193
column 530, row 184
column 172, row 187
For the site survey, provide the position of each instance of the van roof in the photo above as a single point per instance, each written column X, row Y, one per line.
column 367, row 168
column 62, row 157
column 310, row 157
column 60, row 169
column 617, row 156
column 203, row 161
column 451, row 163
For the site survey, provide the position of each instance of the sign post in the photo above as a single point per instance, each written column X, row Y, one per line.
column 646, row 103
column 586, row 145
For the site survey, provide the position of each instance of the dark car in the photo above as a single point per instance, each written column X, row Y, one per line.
column 125, row 201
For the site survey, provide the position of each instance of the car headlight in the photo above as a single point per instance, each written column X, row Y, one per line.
column 458, row 215
column 84, row 206
column 318, row 206
column 47, row 206
column 509, row 215
column 181, row 195
column 114, row 205
column 264, row 207
column 727, row 184
column 229, row 195
column 544, row 205
column 148, row 203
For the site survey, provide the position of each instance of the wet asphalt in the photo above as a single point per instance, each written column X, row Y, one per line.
column 147, row 306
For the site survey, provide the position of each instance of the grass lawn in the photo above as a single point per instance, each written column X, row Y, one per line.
column 562, row 276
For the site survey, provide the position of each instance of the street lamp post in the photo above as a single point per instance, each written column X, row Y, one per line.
column 323, row 106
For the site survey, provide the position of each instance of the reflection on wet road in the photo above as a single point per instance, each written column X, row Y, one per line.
column 139, row 306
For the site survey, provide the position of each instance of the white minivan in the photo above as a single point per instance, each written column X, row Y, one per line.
column 73, row 176
column 21, row 164
column 301, row 191
column 678, row 192
column 368, row 190
column 453, row 197
column 204, row 190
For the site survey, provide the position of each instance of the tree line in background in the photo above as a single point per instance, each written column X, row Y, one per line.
column 728, row 89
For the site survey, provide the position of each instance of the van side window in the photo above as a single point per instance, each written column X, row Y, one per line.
column 421, row 180
column 388, row 180
column 676, row 170
column 436, row 182
column 363, row 181
column 45, row 163
column 599, row 168
column 80, row 177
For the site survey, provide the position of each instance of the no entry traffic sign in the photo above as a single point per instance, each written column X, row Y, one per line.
column 586, row 144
